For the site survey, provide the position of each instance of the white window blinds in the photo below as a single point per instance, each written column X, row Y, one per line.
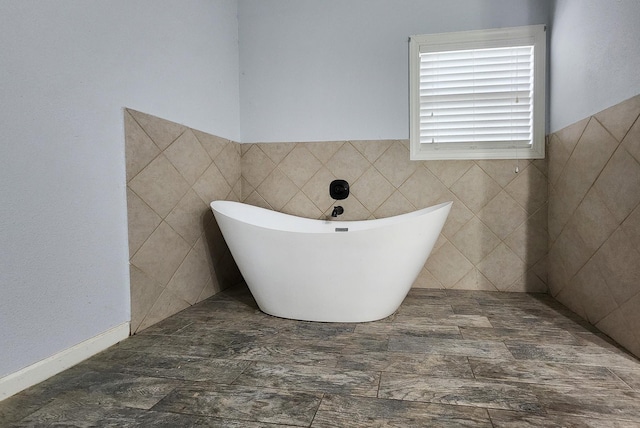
column 478, row 95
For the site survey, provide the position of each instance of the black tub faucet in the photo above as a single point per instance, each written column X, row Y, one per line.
column 337, row 210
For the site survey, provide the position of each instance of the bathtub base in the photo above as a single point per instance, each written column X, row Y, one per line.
column 322, row 311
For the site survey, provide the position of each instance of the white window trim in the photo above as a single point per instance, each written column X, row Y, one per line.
column 534, row 35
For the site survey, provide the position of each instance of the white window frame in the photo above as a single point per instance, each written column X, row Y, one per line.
column 533, row 35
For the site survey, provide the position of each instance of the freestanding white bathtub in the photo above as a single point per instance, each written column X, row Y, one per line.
column 333, row 271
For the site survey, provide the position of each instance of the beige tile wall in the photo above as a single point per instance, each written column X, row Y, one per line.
column 594, row 220
column 177, row 254
column 494, row 239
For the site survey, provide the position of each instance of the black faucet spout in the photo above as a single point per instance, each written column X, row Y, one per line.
column 337, row 211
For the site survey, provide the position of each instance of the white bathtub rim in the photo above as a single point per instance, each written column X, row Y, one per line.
column 255, row 216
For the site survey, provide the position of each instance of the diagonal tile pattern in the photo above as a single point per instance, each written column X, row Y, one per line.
column 570, row 226
column 492, row 204
column 446, row 358
column 176, row 258
column 594, row 201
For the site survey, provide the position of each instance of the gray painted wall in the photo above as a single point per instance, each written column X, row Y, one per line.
column 338, row 70
column 68, row 69
column 595, row 57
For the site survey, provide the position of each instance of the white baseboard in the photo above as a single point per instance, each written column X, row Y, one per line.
column 42, row 370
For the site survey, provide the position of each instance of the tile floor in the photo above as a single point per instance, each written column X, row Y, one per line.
column 445, row 358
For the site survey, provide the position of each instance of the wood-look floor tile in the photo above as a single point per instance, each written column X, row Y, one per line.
column 99, row 399
column 540, row 372
column 473, row 294
column 119, row 389
column 587, row 355
column 284, row 353
column 598, row 339
column 209, row 346
column 309, row 378
column 447, row 320
column 605, row 403
column 630, row 376
column 415, row 327
column 510, row 419
column 238, row 329
column 419, row 308
column 349, row 411
column 243, row 403
column 468, row 309
column 547, row 335
column 167, row 327
column 178, row 420
column 512, row 320
column 318, row 330
column 469, row 348
column 446, row 358
column 77, row 414
column 71, row 413
column 462, row 392
column 357, row 343
column 424, row 365
column 426, row 293
column 170, row 366
column 30, row 400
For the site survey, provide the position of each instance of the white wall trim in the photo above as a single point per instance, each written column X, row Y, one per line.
column 44, row 369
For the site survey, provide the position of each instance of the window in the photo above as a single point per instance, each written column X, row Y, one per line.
column 478, row 94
